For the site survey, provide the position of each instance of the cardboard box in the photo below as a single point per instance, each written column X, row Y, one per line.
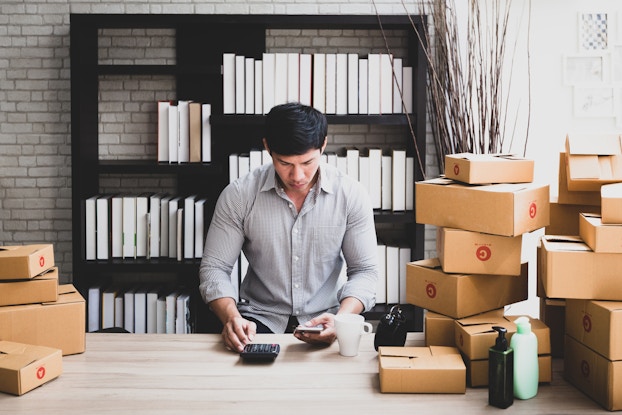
column 499, row 209
column 461, row 251
column 593, row 160
column 25, row 261
column 477, row 371
column 438, row 329
column 553, row 313
column 568, row 197
column 570, row 269
column 596, row 324
column 565, row 218
column 434, row 369
column 488, row 168
column 60, row 324
column 598, row 236
column 461, row 295
column 474, row 335
column 611, row 202
column 40, row 289
column 24, row 367
column 596, row 376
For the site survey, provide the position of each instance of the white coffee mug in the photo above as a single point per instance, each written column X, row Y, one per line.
column 349, row 328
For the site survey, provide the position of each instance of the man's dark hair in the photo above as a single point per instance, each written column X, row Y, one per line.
column 294, row 128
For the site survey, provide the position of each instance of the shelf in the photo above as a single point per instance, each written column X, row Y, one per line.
column 387, row 216
column 158, row 70
column 242, row 119
column 162, row 265
column 154, row 167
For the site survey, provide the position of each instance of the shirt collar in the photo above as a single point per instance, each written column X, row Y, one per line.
column 325, row 179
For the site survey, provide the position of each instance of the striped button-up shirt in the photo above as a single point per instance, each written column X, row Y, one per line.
column 294, row 258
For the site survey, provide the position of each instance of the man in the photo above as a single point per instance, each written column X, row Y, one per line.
column 296, row 221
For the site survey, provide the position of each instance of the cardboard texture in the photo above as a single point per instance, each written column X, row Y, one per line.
column 565, row 218
column 598, row 236
column 439, row 330
column 474, row 335
column 611, row 202
column 477, row 371
column 461, row 295
column 461, row 251
column 434, row 369
column 488, row 168
column 570, row 269
column 24, row 367
column 499, row 209
column 596, row 324
column 568, row 197
column 25, row 261
column 42, row 288
column 593, row 160
column 553, row 313
column 595, row 375
column 60, row 324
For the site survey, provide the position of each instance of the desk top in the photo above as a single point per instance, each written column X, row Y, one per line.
column 188, row 374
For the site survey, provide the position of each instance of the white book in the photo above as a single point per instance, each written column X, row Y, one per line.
column 342, row 164
column 94, row 306
column 142, row 225
column 392, row 271
column 280, row 78
column 206, row 133
column 182, row 315
column 173, row 205
column 103, row 222
column 254, row 159
column 240, row 88
column 364, row 172
column 155, row 201
column 268, row 81
column 183, row 139
column 381, row 285
column 353, row 83
column 410, row 183
column 373, row 83
column 319, row 82
column 306, row 80
column 199, row 227
column 173, row 132
column 398, row 180
column 161, row 315
column 249, row 86
column 341, row 84
column 163, row 107
column 117, row 226
column 108, row 307
column 352, row 162
column 129, row 226
column 171, row 312
column 119, row 312
column 233, row 167
column 152, row 310
column 164, row 215
column 398, row 85
column 258, row 87
column 128, row 310
column 362, row 88
column 293, row 77
column 407, row 88
column 265, row 157
column 196, row 135
column 331, row 83
column 140, row 311
column 387, row 181
column 180, row 234
column 244, row 164
column 404, row 259
column 91, row 227
column 228, row 83
column 386, row 84
column 188, row 229
column 331, row 158
column 375, row 177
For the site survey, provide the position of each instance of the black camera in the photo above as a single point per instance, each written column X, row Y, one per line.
column 391, row 329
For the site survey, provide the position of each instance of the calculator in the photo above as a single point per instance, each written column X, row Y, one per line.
column 260, row 352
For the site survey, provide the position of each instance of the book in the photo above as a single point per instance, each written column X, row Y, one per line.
column 103, row 211
column 183, row 138
column 341, row 84
column 280, row 78
column 392, row 274
column 404, row 259
column 381, row 285
column 319, row 82
column 353, row 83
column 331, row 83
column 407, row 88
column 173, row 206
column 161, row 314
column 352, row 162
column 151, row 306
column 398, row 84
column 206, row 133
column 373, row 83
column 254, row 159
column 119, row 312
column 244, row 164
column 387, row 181
column 199, row 227
column 364, row 172
column 195, row 124
column 128, row 309
column 108, row 307
column 180, row 234
column 410, row 183
column 117, row 226
column 171, row 312
column 268, row 81
column 258, row 87
column 164, row 226
column 228, row 83
column 306, row 79
column 93, row 307
column 140, row 310
column 233, row 167
column 240, row 88
column 188, row 228
column 155, row 201
column 173, row 132
column 362, row 87
column 142, row 224
column 249, row 85
column 293, row 77
column 163, row 107
column 182, row 314
column 90, row 206
column 386, row 84
column 129, row 226
column 375, row 177
column 398, row 180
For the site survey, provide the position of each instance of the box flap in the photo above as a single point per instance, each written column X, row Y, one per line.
column 492, row 317
column 564, row 243
column 593, row 144
column 613, row 190
column 431, row 263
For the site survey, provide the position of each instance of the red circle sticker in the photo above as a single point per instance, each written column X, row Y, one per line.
column 41, row 261
column 483, row 253
column 532, row 210
column 40, row 372
column 587, row 323
column 430, row 290
column 585, row 368
column 456, row 169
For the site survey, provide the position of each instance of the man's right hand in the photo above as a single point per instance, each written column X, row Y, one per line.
column 238, row 332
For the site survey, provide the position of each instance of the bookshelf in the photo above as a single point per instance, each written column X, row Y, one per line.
column 196, row 71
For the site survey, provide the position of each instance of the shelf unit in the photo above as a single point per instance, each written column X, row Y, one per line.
column 198, row 77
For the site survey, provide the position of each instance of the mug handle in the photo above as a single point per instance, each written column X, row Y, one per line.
column 367, row 327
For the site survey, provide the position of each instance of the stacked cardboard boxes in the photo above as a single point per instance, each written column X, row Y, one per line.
column 482, row 208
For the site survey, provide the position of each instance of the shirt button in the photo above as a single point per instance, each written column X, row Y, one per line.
column 295, row 258
column 297, row 312
column 295, row 230
column 296, row 286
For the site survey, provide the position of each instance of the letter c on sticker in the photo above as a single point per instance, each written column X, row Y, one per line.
column 483, row 253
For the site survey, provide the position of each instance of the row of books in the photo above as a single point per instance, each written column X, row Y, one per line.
column 333, row 83
column 139, row 309
column 149, row 225
column 388, row 177
column 184, row 132
column 392, row 259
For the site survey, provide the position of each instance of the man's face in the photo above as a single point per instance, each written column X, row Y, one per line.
column 297, row 173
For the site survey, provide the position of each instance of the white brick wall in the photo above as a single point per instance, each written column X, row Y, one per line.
column 35, row 109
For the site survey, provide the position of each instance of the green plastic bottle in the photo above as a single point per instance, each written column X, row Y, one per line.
column 500, row 371
column 526, row 372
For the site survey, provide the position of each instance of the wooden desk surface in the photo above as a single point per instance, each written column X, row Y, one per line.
column 188, row 374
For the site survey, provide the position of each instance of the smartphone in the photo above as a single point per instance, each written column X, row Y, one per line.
column 306, row 329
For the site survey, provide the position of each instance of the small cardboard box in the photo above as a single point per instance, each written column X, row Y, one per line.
column 477, row 371
column 570, row 269
column 596, row 324
column 598, row 236
column 499, row 209
column 434, row 369
column 474, row 335
column 593, row 160
column 553, row 313
column 461, row 295
column 488, row 168
column 565, row 218
column 568, row 197
column 439, row 329
column 461, row 251
column 60, row 324
column 40, row 289
column 611, row 202
column 25, row 261
column 596, row 376
column 24, row 367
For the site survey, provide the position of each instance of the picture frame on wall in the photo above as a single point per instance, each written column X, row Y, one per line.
column 597, row 101
column 585, row 69
column 594, row 31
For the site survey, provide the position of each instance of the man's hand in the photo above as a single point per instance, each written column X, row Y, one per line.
column 325, row 337
column 238, row 332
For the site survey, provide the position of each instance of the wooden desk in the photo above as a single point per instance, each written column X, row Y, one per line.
column 195, row 374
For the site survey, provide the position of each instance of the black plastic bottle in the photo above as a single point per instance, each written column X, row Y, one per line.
column 500, row 371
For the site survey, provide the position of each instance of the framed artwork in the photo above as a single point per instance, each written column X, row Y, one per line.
column 584, row 69
column 593, row 31
column 594, row 101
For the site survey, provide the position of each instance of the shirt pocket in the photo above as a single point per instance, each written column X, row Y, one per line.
column 327, row 242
